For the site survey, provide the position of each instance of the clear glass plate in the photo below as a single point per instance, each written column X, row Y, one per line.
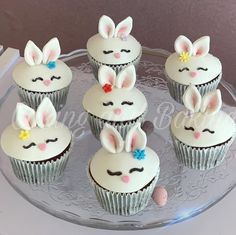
column 71, row 198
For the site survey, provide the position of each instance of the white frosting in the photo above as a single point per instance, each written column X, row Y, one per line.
column 115, row 160
column 209, row 126
column 114, row 39
column 198, row 58
column 12, row 145
column 35, row 65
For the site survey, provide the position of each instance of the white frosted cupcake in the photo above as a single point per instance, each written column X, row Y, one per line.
column 38, row 146
column 41, row 75
column 115, row 100
column 192, row 64
column 124, row 173
column 203, row 134
column 113, row 45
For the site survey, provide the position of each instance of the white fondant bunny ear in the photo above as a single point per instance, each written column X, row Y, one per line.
column 51, row 51
column 192, row 99
column 25, row 116
column 201, row 46
column 106, row 27
column 124, row 28
column 211, row 102
column 126, row 78
column 32, row 54
column 46, row 114
column 183, row 44
column 111, row 139
column 106, row 75
column 135, row 138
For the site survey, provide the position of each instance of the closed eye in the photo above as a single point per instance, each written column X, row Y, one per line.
column 136, row 169
column 201, row 68
column 107, row 103
column 207, row 130
column 127, row 102
column 37, row 79
column 117, row 173
column 29, row 146
column 54, row 77
column 107, row 52
column 124, row 50
column 189, row 128
column 51, row 140
column 184, row 69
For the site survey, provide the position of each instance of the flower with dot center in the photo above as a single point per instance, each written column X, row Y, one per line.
column 107, row 88
column 184, row 57
column 24, row 135
column 139, row 154
column 51, row 64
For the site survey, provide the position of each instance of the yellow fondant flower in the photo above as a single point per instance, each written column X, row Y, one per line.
column 24, row 135
column 184, row 57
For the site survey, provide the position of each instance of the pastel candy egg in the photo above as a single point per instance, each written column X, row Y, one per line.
column 160, row 196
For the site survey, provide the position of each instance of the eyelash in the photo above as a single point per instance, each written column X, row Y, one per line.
column 189, row 128
column 185, row 68
column 107, row 52
column 124, row 50
column 51, row 140
column 200, row 68
column 136, row 169
column 205, row 130
column 29, row 146
column 54, row 77
column 108, row 103
column 127, row 102
column 36, row 79
column 117, row 173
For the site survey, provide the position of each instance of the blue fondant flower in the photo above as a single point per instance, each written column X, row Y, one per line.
column 51, row 64
column 139, row 154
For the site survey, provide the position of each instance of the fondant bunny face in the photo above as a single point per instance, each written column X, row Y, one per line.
column 192, row 63
column 37, row 136
column 42, row 71
column 114, row 45
column 204, row 124
column 115, row 98
column 124, row 166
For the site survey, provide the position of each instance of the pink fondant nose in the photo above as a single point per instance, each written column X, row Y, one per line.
column 125, row 178
column 117, row 111
column 42, row 146
column 117, row 55
column 47, row 82
column 193, row 74
column 197, row 135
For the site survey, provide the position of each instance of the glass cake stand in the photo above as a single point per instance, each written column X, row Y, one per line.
column 71, row 198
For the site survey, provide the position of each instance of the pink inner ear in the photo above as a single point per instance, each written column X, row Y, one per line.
column 199, row 51
column 123, row 29
column 126, row 82
column 108, row 29
column 185, row 47
column 212, row 104
column 34, row 56
column 112, row 140
column 111, row 79
column 27, row 120
column 194, row 100
column 52, row 55
column 133, row 141
column 45, row 117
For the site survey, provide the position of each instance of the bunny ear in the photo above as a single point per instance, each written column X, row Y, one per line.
column 106, row 27
column 46, row 114
column 201, row 46
column 124, row 28
column 135, row 138
column 111, row 139
column 106, row 75
column 51, row 51
column 183, row 44
column 211, row 102
column 25, row 116
column 33, row 55
column 192, row 99
column 126, row 78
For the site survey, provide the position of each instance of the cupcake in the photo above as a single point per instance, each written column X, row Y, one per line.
column 123, row 174
column 113, row 46
column 203, row 134
column 192, row 64
column 38, row 146
column 41, row 75
column 114, row 100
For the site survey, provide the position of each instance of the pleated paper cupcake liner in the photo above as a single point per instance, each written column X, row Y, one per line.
column 96, row 65
column 125, row 204
column 33, row 99
column 177, row 90
column 201, row 158
column 97, row 124
column 41, row 172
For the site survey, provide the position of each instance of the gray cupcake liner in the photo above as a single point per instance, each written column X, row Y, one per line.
column 33, row 99
column 200, row 158
column 97, row 124
column 41, row 172
column 177, row 90
column 125, row 204
column 96, row 65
